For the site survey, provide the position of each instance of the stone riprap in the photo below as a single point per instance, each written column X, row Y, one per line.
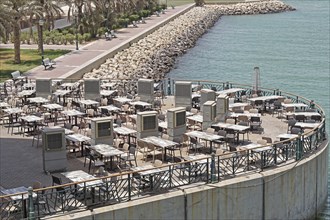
column 155, row 55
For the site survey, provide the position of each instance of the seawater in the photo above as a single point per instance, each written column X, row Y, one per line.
column 292, row 50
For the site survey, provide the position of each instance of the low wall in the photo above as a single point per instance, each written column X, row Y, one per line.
column 294, row 191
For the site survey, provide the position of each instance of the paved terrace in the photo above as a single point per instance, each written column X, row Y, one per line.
column 21, row 163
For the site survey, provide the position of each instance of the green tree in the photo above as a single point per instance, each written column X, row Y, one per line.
column 5, row 22
column 18, row 10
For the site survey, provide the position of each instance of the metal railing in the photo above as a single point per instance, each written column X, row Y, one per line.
column 128, row 186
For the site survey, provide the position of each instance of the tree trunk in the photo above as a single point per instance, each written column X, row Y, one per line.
column 17, row 42
column 39, row 42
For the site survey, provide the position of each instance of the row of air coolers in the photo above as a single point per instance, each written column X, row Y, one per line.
column 183, row 96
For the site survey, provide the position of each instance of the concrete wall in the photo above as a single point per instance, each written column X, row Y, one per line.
column 78, row 72
column 295, row 191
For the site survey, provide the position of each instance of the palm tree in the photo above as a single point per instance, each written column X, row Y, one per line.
column 18, row 10
column 5, row 22
column 52, row 11
column 44, row 9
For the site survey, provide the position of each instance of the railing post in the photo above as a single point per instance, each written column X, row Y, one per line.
column 129, row 187
column 31, row 205
column 168, row 85
column 299, row 147
column 213, row 168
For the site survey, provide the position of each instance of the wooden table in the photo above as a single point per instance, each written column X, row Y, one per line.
column 106, row 151
column 82, row 176
column 78, row 138
column 148, row 173
column 205, row 136
column 73, row 113
column 161, row 143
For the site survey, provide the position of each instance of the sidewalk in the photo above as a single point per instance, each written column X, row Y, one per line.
column 78, row 60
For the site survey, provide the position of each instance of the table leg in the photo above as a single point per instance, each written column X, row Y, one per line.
column 82, row 149
column 24, row 208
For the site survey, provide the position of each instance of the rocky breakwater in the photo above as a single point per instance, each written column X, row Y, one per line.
column 257, row 7
column 155, row 55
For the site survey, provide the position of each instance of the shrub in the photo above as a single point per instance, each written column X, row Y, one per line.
column 57, row 39
column 134, row 18
column 144, row 13
column 163, row 6
column 63, row 40
column 115, row 26
column 123, row 22
column 101, row 31
column 47, row 32
column 87, row 37
column 65, row 32
column 70, row 38
column 80, row 39
column 47, row 39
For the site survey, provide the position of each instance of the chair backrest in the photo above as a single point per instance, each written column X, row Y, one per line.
column 90, row 112
column 126, row 147
column 295, row 130
column 68, row 126
column 132, row 150
column 210, row 130
column 158, row 163
column 243, row 123
column 36, row 185
column 15, row 74
column 166, row 136
column 300, row 117
column 243, row 118
column 277, row 104
column 316, row 117
column 268, row 139
column 222, row 133
column 104, row 101
column 287, row 101
column 161, row 117
column 75, row 129
column 177, row 140
column 194, row 110
column 253, row 111
column 262, row 142
column 185, row 138
column 219, row 151
column 258, row 102
column 46, row 61
column 230, row 121
column 255, row 119
column 247, row 107
column 56, row 180
column 289, row 109
column 292, row 122
column 89, row 132
column 150, row 146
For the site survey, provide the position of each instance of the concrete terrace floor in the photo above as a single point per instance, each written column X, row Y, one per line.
column 21, row 164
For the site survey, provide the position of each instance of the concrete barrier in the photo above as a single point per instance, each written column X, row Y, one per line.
column 294, row 191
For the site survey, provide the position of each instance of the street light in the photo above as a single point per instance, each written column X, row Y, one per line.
column 41, row 23
column 107, row 5
column 76, row 22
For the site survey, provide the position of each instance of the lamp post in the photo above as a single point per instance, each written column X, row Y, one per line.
column 41, row 24
column 107, row 5
column 76, row 23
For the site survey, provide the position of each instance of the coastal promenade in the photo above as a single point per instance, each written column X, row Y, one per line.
column 75, row 60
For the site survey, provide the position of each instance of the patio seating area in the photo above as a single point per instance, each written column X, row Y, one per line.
column 253, row 136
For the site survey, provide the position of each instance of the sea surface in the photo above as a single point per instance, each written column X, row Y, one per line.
column 292, row 50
